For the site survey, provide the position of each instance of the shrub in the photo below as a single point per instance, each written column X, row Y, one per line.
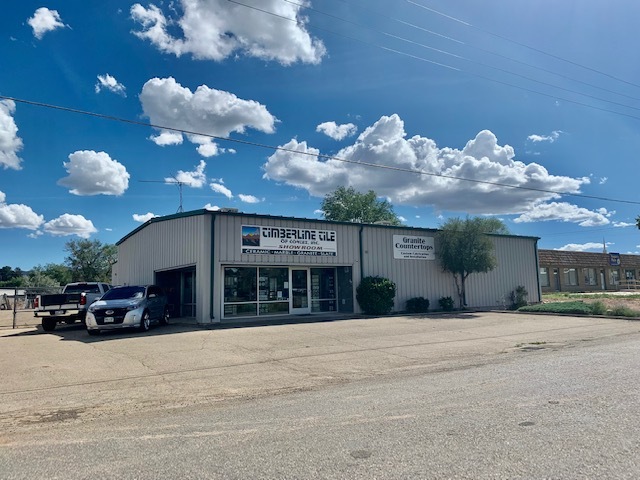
column 559, row 307
column 446, row 304
column 622, row 311
column 519, row 297
column 598, row 308
column 417, row 305
column 375, row 295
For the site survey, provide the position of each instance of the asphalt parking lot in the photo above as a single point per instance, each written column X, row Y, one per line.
column 67, row 375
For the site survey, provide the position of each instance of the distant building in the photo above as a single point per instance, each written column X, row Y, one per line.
column 562, row 271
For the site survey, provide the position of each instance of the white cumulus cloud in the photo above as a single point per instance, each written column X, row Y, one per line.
column 248, row 198
column 217, row 29
column 109, row 82
column 67, row 224
column 212, row 208
column 386, row 143
column 10, row 142
column 583, row 247
column 219, row 188
column 17, row 215
column 143, row 217
column 207, row 110
column 195, row 179
column 43, row 21
column 337, row 132
column 565, row 212
column 545, row 138
column 94, row 173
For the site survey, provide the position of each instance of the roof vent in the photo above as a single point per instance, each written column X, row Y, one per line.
column 229, row 210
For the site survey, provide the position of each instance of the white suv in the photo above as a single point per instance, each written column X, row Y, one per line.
column 131, row 306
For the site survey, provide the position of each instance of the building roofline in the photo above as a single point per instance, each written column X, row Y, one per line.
column 193, row 213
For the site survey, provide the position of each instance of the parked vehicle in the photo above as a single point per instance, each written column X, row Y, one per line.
column 70, row 305
column 132, row 306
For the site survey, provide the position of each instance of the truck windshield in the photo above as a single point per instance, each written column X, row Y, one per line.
column 82, row 288
column 124, row 293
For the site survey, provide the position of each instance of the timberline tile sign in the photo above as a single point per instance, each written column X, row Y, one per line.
column 407, row 247
column 262, row 240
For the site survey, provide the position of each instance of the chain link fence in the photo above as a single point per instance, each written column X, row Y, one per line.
column 16, row 306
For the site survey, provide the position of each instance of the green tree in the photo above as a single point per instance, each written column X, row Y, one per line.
column 37, row 278
column 90, row 260
column 61, row 273
column 347, row 205
column 464, row 248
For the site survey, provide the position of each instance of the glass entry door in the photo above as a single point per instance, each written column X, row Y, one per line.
column 300, row 290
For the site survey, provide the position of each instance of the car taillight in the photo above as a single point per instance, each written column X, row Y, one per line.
column 83, row 299
column 36, row 302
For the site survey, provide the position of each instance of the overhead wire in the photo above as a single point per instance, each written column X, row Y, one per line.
column 524, row 45
column 459, row 57
column 450, row 67
column 310, row 154
column 490, row 52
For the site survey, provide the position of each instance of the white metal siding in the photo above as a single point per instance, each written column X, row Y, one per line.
column 186, row 241
column 167, row 245
column 516, row 258
column 228, row 244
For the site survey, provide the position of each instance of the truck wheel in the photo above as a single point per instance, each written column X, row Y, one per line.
column 49, row 324
column 145, row 322
column 164, row 320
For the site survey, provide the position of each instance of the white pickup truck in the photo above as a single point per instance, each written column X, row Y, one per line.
column 70, row 305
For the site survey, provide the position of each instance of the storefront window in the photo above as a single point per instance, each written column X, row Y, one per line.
column 630, row 274
column 589, row 276
column 570, row 276
column 240, row 284
column 251, row 291
column 544, row 277
column 614, row 276
column 274, row 289
column 323, row 290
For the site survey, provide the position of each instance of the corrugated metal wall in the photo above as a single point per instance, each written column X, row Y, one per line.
column 228, row 242
column 165, row 245
column 517, row 265
column 185, row 241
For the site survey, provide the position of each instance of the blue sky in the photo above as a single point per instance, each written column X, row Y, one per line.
column 491, row 91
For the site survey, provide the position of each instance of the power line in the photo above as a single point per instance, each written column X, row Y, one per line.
column 489, row 79
column 484, row 50
column 489, row 32
column 318, row 156
column 459, row 57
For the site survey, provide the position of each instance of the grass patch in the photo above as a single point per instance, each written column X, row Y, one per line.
column 581, row 308
column 622, row 311
column 559, row 307
column 564, row 296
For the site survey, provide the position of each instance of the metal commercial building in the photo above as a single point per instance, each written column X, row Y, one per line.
column 225, row 265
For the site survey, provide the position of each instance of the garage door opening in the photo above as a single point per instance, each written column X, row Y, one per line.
column 180, row 287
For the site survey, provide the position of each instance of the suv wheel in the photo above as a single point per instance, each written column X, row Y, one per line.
column 145, row 322
column 164, row 320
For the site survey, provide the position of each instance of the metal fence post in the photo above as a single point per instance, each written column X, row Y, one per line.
column 15, row 313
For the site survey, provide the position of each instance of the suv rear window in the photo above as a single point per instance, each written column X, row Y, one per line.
column 124, row 293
